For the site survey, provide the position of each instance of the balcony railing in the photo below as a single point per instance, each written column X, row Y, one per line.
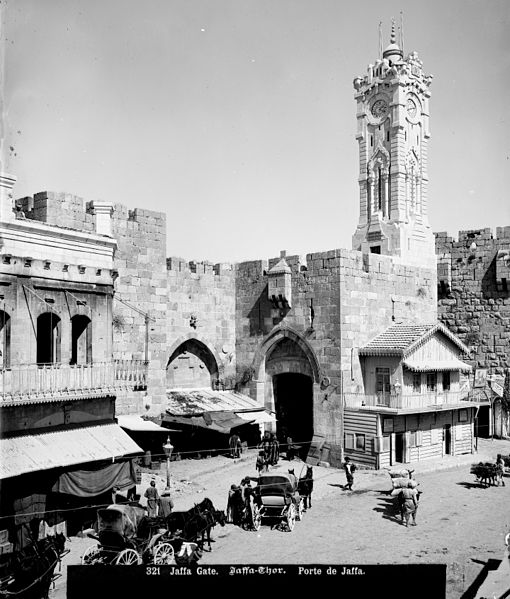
column 27, row 381
column 400, row 401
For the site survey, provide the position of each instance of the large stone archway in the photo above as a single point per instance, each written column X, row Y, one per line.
column 287, row 381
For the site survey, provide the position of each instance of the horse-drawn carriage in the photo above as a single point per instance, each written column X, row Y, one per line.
column 28, row 573
column 127, row 537
column 276, row 496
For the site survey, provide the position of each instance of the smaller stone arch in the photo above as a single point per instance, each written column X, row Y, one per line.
column 192, row 363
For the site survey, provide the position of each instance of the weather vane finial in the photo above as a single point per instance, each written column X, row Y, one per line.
column 393, row 37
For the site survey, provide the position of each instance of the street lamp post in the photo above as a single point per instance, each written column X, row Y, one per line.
column 168, row 448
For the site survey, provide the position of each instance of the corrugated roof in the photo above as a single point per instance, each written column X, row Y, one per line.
column 399, row 339
column 31, row 453
column 187, row 402
column 137, row 423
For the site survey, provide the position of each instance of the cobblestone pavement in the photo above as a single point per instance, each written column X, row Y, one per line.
column 459, row 522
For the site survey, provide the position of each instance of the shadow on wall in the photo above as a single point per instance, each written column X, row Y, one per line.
column 262, row 315
column 489, row 286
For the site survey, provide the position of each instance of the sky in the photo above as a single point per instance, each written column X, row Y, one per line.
column 236, row 118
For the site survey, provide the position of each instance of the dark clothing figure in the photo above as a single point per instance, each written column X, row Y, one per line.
column 265, row 445
column 274, row 451
column 247, row 494
column 292, row 449
column 166, row 505
column 235, row 505
column 235, row 445
column 152, row 496
column 349, row 473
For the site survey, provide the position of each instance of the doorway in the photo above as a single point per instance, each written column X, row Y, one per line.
column 447, row 439
column 293, row 398
column 400, row 448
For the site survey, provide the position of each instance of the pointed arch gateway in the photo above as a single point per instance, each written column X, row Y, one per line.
column 192, row 363
column 288, row 376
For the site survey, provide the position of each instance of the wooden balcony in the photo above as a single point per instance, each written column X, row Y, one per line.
column 405, row 402
column 52, row 381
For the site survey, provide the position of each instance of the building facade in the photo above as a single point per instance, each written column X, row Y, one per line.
column 288, row 331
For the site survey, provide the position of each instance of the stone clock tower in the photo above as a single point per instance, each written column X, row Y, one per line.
column 393, row 134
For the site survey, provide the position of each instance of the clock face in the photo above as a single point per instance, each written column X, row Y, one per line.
column 379, row 109
column 411, row 108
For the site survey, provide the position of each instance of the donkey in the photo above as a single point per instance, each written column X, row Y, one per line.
column 305, row 487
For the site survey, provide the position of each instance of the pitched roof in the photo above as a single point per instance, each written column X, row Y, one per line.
column 280, row 267
column 400, row 339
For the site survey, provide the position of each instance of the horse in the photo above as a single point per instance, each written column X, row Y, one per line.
column 305, row 487
column 197, row 522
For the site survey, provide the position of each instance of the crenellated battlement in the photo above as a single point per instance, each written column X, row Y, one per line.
column 470, row 235
column 177, row 264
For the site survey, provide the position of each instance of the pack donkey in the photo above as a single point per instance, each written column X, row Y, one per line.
column 305, row 487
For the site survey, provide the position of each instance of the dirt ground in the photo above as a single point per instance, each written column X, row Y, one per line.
column 458, row 523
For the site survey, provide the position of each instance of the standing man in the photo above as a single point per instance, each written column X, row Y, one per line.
column 349, row 468
column 275, row 450
column 166, row 504
column 152, row 496
column 410, row 501
column 500, row 469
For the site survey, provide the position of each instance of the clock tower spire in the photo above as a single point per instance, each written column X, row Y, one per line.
column 393, row 133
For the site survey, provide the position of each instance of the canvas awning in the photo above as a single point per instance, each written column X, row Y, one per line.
column 32, row 453
column 214, row 410
column 257, row 417
column 221, row 422
column 138, row 424
column 436, row 365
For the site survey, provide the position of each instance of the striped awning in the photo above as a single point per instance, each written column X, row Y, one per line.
column 436, row 365
column 32, row 453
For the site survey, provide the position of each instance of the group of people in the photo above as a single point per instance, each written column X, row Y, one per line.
column 158, row 505
column 239, row 501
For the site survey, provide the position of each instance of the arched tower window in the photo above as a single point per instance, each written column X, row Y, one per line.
column 81, row 339
column 48, row 338
column 5, row 340
column 378, row 183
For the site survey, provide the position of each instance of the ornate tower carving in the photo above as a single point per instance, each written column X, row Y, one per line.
column 393, row 133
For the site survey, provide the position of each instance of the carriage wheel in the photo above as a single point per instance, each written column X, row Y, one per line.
column 300, row 509
column 90, row 555
column 164, row 554
column 128, row 557
column 256, row 517
column 291, row 517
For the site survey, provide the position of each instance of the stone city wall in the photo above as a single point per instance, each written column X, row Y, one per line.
column 201, row 306
column 473, row 303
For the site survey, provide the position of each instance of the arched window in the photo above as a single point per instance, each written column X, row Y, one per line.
column 48, row 338
column 81, row 339
column 5, row 340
